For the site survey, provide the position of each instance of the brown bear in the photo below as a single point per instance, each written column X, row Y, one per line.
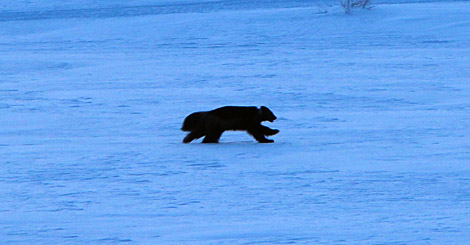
column 212, row 124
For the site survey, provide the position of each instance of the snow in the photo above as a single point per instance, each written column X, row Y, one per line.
column 372, row 109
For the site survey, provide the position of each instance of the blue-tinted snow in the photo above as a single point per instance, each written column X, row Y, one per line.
column 372, row 106
column 46, row 9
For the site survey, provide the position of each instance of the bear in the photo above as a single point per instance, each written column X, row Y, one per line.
column 212, row 124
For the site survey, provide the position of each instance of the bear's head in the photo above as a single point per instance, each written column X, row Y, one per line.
column 266, row 114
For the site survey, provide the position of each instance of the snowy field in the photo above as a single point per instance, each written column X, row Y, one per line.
column 373, row 109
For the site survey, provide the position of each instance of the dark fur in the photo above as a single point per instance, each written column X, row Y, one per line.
column 212, row 124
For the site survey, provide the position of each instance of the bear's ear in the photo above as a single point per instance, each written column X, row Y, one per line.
column 267, row 114
column 263, row 110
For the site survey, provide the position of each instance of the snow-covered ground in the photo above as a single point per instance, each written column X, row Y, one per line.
column 373, row 109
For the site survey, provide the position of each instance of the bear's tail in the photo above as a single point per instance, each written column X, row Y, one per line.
column 192, row 121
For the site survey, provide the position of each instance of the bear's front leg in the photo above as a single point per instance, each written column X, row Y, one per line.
column 212, row 137
column 259, row 136
column 268, row 131
column 191, row 136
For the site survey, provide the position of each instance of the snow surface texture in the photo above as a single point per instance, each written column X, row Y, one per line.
column 373, row 111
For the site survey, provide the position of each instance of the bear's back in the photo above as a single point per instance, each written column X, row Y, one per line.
column 235, row 112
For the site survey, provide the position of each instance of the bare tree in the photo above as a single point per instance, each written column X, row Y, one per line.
column 349, row 4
